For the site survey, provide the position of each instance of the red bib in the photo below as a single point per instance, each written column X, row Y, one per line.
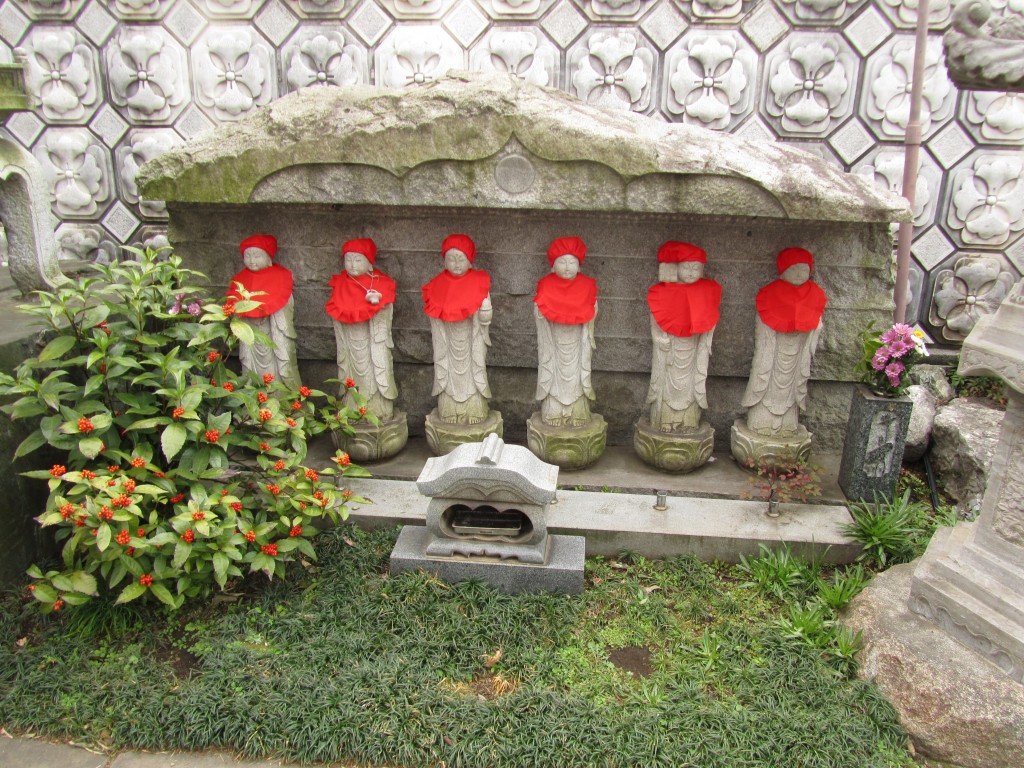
column 275, row 281
column 348, row 302
column 452, row 298
column 684, row 309
column 570, row 302
column 786, row 308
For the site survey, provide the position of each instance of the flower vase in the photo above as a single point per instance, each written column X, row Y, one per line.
column 873, row 449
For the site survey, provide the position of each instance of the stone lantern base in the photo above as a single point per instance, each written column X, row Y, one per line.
column 754, row 450
column 443, row 438
column 374, row 442
column 673, row 451
column 568, row 447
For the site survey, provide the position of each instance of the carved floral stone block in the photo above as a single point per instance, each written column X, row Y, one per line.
column 819, row 11
column 233, row 72
column 50, row 9
column 139, row 10
column 79, row 170
column 973, row 288
column 995, row 117
column 333, row 9
column 229, row 9
column 617, row 10
column 141, row 146
column 61, row 74
column 412, row 56
column 715, row 10
column 417, row 9
column 146, row 69
column 322, row 56
column 987, row 201
column 889, row 73
column 516, row 9
column 612, row 69
column 886, row 170
column 85, row 242
column 711, row 79
column 523, row 52
column 811, row 82
column 903, row 13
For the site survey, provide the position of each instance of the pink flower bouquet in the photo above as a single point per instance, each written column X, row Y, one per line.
column 889, row 357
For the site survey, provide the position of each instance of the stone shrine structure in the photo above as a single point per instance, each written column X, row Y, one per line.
column 514, row 165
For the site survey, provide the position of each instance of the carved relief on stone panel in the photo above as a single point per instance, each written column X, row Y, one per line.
column 50, row 9
column 412, row 56
column 141, row 146
column 323, row 56
column 612, row 69
column 986, row 205
column 819, row 11
column 885, row 169
column 889, row 75
column 811, row 80
column 228, row 9
column 715, row 10
column 972, row 287
column 85, row 242
column 78, row 170
column 232, row 72
column 417, row 9
column 995, row 117
column 333, row 9
column 140, row 10
column 710, row 79
column 147, row 73
column 523, row 52
column 617, row 10
column 904, row 12
column 61, row 74
column 516, row 9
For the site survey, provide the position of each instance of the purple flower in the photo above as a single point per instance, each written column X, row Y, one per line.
column 177, row 304
column 898, row 331
column 900, row 346
column 195, row 309
column 878, row 362
column 893, row 371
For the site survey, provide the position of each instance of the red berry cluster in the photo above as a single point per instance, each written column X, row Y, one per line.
column 58, row 469
column 123, row 537
column 350, row 383
column 269, row 549
column 279, row 464
column 237, row 506
column 264, row 446
column 138, row 462
column 343, row 460
column 88, row 474
column 213, row 357
column 112, row 468
column 212, row 435
column 296, row 406
column 305, row 391
column 290, row 422
column 267, row 378
column 129, row 485
column 146, row 580
column 295, row 531
column 199, row 515
column 228, row 309
column 188, row 536
column 265, row 415
column 122, row 501
column 274, row 488
column 250, row 536
column 67, row 510
column 261, row 397
column 311, row 474
column 175, row 499
column 177, row 413
column 106, row 513
column 229, row 386
column 84, row 425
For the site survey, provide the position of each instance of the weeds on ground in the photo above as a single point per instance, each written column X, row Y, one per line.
column 987, row 387
column 343, row 662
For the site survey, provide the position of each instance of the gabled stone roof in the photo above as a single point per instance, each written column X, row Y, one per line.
column 585, row 158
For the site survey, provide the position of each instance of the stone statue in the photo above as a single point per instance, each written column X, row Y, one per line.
column 564, row 431
column 271, row 285
column 684, row 312
column 458, row 303
column 362, row 308
column 786, row 333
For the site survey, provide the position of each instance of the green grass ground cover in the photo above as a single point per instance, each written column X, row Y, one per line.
column 668, row 663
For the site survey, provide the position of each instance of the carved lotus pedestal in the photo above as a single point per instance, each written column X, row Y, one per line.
column 873, row 449
column 673, row 451
column 752, row 449
column 569, row 448
column 443, row 437
column 371, row 442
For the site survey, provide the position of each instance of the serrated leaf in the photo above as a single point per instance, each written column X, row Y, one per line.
column 26, row 407
column 95, row 315
column 29, row 444
column 63, row 583
column 192, row 398
column 242, row 331
column 57, row 348
column 220, row 568
column 90, row 447
column 84, row 582
column 164, row 595
column 148, row 423
column 44, row 593
column 131, row 592
column 172, row 440
column 102, row 537
column 181, row 552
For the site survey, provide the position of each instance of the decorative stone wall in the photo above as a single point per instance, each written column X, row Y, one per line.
column 117, row 82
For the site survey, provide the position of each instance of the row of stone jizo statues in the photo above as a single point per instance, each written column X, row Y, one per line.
column 673, row 435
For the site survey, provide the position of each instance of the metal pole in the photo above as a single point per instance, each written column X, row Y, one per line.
column 910, row 163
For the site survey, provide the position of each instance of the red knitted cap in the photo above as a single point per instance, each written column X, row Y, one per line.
column 790, row 256
column 567, row 246
column 267, row 243
column 459, row 242
column 362, row 245
column 674, row 251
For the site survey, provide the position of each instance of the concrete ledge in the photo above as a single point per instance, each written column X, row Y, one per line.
column 711, row 529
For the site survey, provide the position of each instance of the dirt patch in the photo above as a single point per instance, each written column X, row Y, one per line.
column 485, row 686
column 181, row 661
column 633, row 658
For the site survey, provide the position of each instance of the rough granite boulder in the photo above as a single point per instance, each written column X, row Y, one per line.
column 934, row 379
column 956, row 706
column 922, row 416
column 964, row 436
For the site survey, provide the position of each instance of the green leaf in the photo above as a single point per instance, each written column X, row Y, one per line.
column 95, row 315
column 27, row 406
column 181, row 552
column 148, row 423
column 131, row 592
column 90, row 447
column 192, row 398
column 57, row 348
column 102, row 537
column 220, row 568
column 84, row 582
column 63, row 583
column 30, row 443
column 242, row 331
column 44, row 593
column 172, row 440
column 164, row 595
column 353, row 471
column 92, row 384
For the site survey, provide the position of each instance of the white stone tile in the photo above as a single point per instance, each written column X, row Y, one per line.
column 664, row 25
column 950, row 145
column 564, row 24
column 25, row 127
column 193, row 123
column 868, row 31
column 1015, row 253
column 184, row 22
column 370, row 23
column 276, row 22
column 96, row 23
column 13, row 24
column 765, row 26
column 931, row 248
column 755, row 130
column 851, row 141
column 109, row 125
column 120, row 221
column 466, row 22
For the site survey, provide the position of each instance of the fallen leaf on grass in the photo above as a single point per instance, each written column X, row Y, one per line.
column 494, row 658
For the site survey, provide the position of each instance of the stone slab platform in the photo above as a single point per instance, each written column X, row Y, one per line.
column 562, row 574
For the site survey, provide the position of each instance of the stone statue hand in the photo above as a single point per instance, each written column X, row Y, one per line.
column 486, row 311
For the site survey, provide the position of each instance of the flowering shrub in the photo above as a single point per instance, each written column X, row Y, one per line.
column 180, row 474
column 889, row 357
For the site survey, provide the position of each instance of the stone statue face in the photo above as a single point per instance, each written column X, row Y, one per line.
column 690, row 271
column 356, row 264
column 566, row 267
column 668, row 272
column 455, row 261
column 798, row 274
column 256, row 259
